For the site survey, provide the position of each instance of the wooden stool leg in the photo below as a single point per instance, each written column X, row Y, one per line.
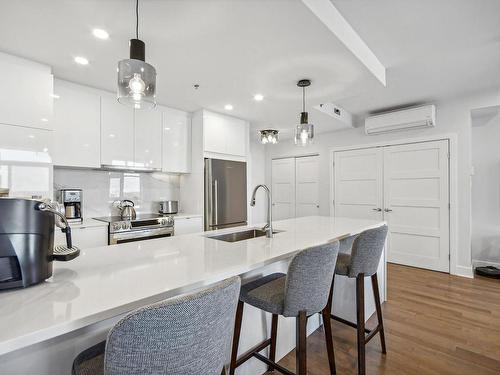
column 360, row 317
column 223, row 371
column 376, row 294
column 274, row 333
column 326, row 313
column 236, row 337
column 301, row 357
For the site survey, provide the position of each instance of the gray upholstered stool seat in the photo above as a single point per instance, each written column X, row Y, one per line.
column 183, row 335
column 266, row 293
column 343, row 263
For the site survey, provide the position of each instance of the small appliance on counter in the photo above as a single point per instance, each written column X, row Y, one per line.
column 169, row 207
column 127, row 210
column 27, row 241
column 72, row 200
column 4, row 192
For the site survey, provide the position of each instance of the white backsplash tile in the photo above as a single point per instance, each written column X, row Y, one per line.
column 102, row 188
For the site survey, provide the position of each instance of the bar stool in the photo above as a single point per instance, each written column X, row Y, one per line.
column 300, row 293
column 362, row 262
column 179, row 336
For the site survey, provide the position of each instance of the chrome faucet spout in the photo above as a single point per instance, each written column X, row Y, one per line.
column 269, row 226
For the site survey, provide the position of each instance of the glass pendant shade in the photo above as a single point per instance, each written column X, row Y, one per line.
column 269, row 136
column 136, row 84
column 304, row 134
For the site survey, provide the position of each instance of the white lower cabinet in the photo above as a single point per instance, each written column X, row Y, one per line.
column 77, row 126
column 84, row 237
column 185, row 225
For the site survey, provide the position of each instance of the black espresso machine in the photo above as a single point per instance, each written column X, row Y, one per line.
column 27, row 241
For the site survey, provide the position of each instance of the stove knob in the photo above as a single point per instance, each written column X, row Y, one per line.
column 124, row 226
column 116, row 226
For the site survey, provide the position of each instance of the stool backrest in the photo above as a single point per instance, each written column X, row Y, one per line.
column 189, row 334
column 366, row 251
column 309, row 279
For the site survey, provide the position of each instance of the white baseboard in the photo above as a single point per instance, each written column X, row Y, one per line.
column 482, row 263
column 464, row 271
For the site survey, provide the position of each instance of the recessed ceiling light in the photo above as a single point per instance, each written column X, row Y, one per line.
column 228, row 107
column 55, row 96
column 44, row 120
column 258, row 97
column 81, row 60
column 167, row 128
column 31, row 136
column 100, row 34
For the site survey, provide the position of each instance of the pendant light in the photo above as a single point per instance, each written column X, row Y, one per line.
column 136, row 78
column 304, row 132
column 269, row 136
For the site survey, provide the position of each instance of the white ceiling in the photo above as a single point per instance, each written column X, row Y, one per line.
column 432, row 49
column 236, row 48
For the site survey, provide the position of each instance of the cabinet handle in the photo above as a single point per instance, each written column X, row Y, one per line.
column 377, row 209
column 388, row 210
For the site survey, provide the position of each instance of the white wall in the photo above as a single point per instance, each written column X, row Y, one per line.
column 486, row 191
column 257, row 176
column 453, row 116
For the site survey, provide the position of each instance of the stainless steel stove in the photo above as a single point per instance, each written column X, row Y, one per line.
column 143, row 227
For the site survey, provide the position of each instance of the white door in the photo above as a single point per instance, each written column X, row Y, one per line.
column 283, row 189
column 417, row 204
column 358, row 184
column 306, row 186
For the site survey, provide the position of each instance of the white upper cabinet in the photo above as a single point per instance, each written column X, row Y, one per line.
column 22, row 144
column 176, row 141
column 26, row 94
column 224, row 134
column 76, row 126
column 117, row 133
column 147, row 147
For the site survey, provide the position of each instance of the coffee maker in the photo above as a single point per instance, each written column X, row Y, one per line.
column 72, row 200
column 27, row 241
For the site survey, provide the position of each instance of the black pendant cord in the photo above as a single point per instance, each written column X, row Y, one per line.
column 137, row 19
column 303, row 99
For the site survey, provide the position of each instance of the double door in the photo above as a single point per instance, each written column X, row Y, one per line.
column 295, row 187
column 408, row 187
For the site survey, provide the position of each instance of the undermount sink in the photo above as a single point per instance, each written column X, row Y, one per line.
column 241, row 236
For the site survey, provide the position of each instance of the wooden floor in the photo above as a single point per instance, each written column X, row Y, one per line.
column 434, row 323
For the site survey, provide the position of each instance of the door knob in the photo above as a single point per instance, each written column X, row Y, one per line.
column 388, row 210
column 377, row 209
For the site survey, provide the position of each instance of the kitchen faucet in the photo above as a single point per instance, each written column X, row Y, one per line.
column 269, row 226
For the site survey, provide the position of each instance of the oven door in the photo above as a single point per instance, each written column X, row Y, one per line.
column 139, row 235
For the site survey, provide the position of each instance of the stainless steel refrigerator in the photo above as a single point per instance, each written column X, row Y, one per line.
column 225, row 194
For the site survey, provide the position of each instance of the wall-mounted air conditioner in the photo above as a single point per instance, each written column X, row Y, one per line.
column 406, row 119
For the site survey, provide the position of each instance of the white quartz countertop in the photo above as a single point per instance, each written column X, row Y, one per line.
column 108, row 281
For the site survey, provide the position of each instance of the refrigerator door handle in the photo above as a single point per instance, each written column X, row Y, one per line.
column 216, row 202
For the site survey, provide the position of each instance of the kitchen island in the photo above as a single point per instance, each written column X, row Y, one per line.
column 42, row 328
